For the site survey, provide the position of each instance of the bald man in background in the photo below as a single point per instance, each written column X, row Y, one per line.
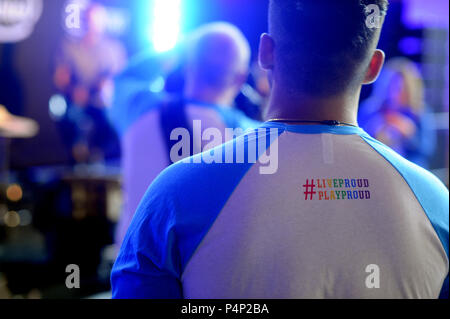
column 216, row 66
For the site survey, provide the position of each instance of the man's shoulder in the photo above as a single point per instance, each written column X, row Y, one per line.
column 193, row 177
column 208, row 179
column 412, row 173
column 430, row 192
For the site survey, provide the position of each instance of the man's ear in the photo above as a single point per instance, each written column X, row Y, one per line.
column 266, row 52
column 375, row 67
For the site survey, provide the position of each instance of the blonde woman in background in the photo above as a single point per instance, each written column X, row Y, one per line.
column 397, row 115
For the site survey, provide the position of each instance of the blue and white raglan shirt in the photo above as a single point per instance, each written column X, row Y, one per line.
column 289, row 212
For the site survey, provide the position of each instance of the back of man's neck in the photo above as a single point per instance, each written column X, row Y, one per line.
column 301, row 107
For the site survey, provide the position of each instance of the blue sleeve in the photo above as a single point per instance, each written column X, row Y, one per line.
column 148, row 264
column 431, row 193
column 170, row 223
column 444, row 291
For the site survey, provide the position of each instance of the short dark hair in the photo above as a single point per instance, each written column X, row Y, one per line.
column 322, row 46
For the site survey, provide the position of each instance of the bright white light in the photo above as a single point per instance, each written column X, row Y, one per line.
column 57, row 106
column 165, row 28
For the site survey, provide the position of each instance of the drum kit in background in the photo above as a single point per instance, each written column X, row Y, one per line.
column 83, row 238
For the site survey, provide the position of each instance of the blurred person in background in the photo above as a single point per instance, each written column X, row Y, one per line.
column 255, row 94
column 84, row 74
column 215, row 67
column 397, row 115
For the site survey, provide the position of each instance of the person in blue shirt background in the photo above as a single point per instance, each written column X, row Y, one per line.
column 147, row 107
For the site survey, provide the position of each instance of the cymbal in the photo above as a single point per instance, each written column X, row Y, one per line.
column 12, row 126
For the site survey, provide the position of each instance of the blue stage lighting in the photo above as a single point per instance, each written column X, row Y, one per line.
column 166, row 24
